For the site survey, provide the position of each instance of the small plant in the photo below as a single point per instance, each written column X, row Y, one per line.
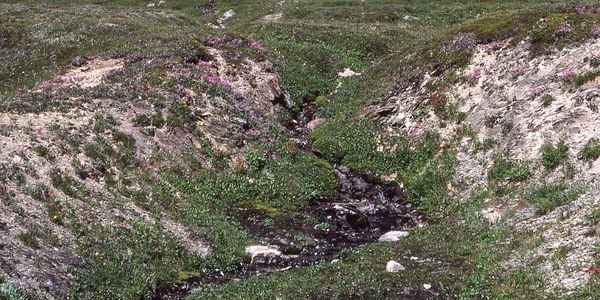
column 321, row 101
column 547, row 99
column 590, row 151
column 29, row 238
column 554, row 155
column 43, row 152
column 559, row 255
column 141, row 120
column 581, row 79
column 506, row 170
column 549, row 196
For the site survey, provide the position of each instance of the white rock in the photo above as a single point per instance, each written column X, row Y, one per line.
column 393, row 266
column 258, row 250
column 348, row 73
column 393, row 236
column 411, row 18
column 426, row 286
column 150, row 5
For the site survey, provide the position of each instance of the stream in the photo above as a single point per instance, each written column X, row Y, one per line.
column 365, row 209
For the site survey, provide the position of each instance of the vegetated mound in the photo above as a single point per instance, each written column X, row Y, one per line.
column 79, row 152
column 527, row 129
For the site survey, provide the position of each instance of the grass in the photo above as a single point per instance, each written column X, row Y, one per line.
column 510, row 171
column 30, row 238
column 547, row 99
column 547, row 197
column 581, row 79
column 554, row 155
column 312, row 43
column 590, row 151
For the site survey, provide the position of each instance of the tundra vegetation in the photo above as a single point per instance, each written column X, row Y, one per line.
column 101, row 192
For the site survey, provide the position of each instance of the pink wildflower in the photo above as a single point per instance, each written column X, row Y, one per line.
column 538, row 90
column 563, row 30
column 581, row 9
column 596, row 31
column 254, row 133
column 518, row 70
column 566, row 75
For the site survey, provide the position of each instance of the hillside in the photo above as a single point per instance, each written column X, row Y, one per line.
column 299, row 149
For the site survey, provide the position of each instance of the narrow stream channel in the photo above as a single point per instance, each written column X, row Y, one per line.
column 365, row 209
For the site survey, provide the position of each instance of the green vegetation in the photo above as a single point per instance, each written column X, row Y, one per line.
column 547, row 197
column 68, row 185
column 204, row 188
column 581, row 79
column 30, row 238
column 554, row 155
column 590, row 151
column 506, row 170
column 547, row 99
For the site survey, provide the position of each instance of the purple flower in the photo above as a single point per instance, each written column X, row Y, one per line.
column 596, row 31
column 206, row 64
column 237, row 41
column 518, row 70
column 254, row 133
column 581, row 9
column 258, row 47
column 563, row 30
column 538, row 90
column 566, row 75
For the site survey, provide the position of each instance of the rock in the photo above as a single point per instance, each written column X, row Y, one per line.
column 314, row 123
column 411, row 18
column 393, row 236
column 150, row 5
column 394, row 267
column 263, row 254
column 426, row 286
column 348, row 73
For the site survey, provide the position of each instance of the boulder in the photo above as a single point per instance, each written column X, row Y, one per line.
column 263, row 254
column 394, row 267
column 393, row 236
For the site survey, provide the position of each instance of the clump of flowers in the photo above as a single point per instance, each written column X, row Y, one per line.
column 538, row 90
column 566, row 75
column 497, row 45
column 582, row 9
column 65, row 81
column 517, row 70
column 596, row 32
column 563, row 30
column 254, row 133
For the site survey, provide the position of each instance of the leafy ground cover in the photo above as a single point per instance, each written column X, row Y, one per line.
column 310, row 44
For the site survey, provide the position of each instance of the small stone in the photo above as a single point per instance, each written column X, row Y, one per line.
column 393, row 266
column 426, row 286
column 393, row 236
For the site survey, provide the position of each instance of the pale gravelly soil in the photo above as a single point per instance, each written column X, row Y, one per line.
column 45, row 269
column 501, row 100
